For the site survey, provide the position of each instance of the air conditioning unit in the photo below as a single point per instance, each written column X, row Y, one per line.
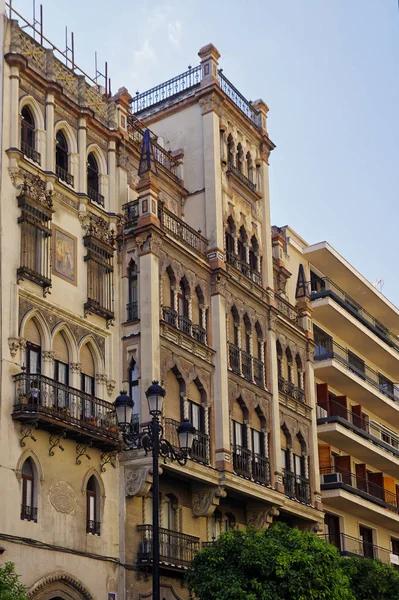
column 331, row 478
column 394, row 558
column 321, row 412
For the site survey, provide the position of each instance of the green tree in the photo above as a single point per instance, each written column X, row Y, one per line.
column 10, row 587
column 279, row 563
column 371, row 579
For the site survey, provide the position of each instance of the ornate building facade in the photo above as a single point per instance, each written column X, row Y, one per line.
column 123, row 262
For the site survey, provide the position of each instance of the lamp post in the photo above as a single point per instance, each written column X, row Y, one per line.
column 152, row 441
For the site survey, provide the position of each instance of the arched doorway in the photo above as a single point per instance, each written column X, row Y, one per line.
column 59, row 586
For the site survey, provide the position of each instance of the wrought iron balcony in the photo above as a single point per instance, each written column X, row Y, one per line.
column 30, row 152
column 185, row 324
column 287, row 387
column 351, row 546
column 244, row 364
column 328, row 350
column 131, row 212
column 132, row 311
column 234, row 358
column 260, row 468
column 339, row 478
column 169, row 315
column 95, row 196
column 28, row 513
column 177, row 550
column 242, row 460
column 323, row 287
column 239, row 264
column 200, row 450
column 288, row 311
column 63, row 175
column 181, row 231
column 296, row 486
column 243, row 178
column 198, row 333
column 379, row 435
column 259, row 372
column 54, row 406
column 93, row 527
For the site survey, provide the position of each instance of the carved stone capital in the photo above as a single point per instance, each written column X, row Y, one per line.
column 111, row 383
column 148, row 242
column 138, row 480
column 262, row 518
column 101, row 378
column 48, row 356
column 75, row 367
column 218, row 283
column 205, row 500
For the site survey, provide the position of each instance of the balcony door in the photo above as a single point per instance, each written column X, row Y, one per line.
column 366, row 537
column 169, row 542
column 332, row 528
column 324, row 344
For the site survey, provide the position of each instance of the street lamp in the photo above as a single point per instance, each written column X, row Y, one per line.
column 151, row 440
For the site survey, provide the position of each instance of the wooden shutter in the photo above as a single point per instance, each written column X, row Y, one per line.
column 343, row 466
column 61, row 349
column 338, row 407
column 322, row 395
column 237, row 413
column 196, row 318
column 32, row 334
column 325, row 457
column 390, row 490
column 361, row 477
column 376, row 485
column 357, row 418
column 173, row 397
column 87, row 361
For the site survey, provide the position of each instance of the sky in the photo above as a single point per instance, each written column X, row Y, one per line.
column 328, row 71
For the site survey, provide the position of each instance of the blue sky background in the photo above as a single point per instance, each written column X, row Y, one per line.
column 328, row 70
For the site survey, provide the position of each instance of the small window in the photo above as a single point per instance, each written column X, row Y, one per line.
column 132, row 307
column 93, row 507
column 61, row 153
column 29, row 482
column 92, row 173
column 28, row 136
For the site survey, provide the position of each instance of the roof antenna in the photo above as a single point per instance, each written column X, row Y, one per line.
column 379, row 284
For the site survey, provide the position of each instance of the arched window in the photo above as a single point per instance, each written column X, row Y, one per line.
column 62, row 159
column 168, row 297
column 135, row 393
column 259, row 358
column 29, row 491
column 300, row 377
column 183, row 306
column 253, row 254
column 92, row 507
column 169, row 514
column 230, row 245
column 61, row 371
column 28, row 135
column 260, row 464
column 279, row 362
column 240, row 156
column 234, row 341
column 197, row 416
column 87, row 383
column 246, row 356
column 249, row 162
column 290, row 370
column 242, row 249
column 93, row 180
column 33, row 362
column 199, row 316
column 230, row 149
column 241, row 454
column 132, row 307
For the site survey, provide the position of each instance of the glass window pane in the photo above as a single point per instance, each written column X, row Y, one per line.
column 256, row 441
column 29, row 486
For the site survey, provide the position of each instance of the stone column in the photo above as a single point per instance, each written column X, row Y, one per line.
column 50, row 143
column 275, row 442
column 112, row 196
column 81, row 182
column 15, row 117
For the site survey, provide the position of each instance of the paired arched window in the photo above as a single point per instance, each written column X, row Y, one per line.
column 28, row 135
column 92, row 506
column 132, row 306
column 29, row 491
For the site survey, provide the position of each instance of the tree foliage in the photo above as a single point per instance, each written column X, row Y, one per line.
column 371, row 579
column 10, row 587
column 279, row 563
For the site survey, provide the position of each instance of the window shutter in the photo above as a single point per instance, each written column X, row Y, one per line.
column 32, row 333
column 343, row 466
column 61, row 349
column 338, row 407
column 324, row 456
column 322, row 395
column 86, row 359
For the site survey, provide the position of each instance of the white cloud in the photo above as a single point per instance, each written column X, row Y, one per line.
column 146, row 54
column 174, row 33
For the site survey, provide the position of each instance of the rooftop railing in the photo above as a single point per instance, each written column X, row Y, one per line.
column 325, row 288
column 328, row 349
column 239, row 100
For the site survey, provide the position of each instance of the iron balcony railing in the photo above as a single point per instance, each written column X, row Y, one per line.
column 244, row 364
column 132, row 311
column 335, row 477
column 231, row 168
column 30, row 152
column 63, row 175
column 28, row 513
column 241, row 460
column 164, row 160
column 296, row 486
column 351, row 546
column 239, row 264
column 200, row 450
column 260, row 468
column 55, row 404
column 288, row 311
column 181, row 230
column 131, row 211
column 328, row 349
column 168, row 89
column 95, row 196
column 169, row 315
column 93, row 527
column 175, row 549
column 378, row 434
column 239, row 100
column 185, row 324
column 198, row 333
column 325, row 288
column 287, row 387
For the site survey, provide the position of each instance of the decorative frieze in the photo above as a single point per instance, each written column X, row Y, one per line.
column 205, row 500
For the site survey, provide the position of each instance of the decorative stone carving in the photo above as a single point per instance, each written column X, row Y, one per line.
column 97, row 227
column 14, row 345
column 148, row 242
column 111, row 383
column 211, row 103
column 75, row 367
column 60, row 577
column 262, row 518
column 138, row 481
column 205, row 501
column 48, row 356
column 218, row 284
column 62, row 497
column 34, row 188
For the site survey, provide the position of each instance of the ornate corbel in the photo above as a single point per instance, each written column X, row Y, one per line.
column 14, row 345
column 262, row 518
column 205, row 500
column 54, row 441
column 138, row 480
column 111, row 383
column 108, row 458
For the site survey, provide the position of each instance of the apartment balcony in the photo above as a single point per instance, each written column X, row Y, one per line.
column 200, row 450
column 28, row 513
column 243, row 179
column 64, row 176
column 30, row 152
column 351, row 546
column 288, row 388
column 296, row 487
column 132, row 311
column 95, row 196
column 288, row 312
column 244, row 267
column 337, row 366
column 177, row 550
column 184, row 324
column 131, row 214
column 245, row 365
column 336, row 310
column 251, row 465
column 93, row 527
column 55, row 407
column 349, row 492
column 367, row 440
